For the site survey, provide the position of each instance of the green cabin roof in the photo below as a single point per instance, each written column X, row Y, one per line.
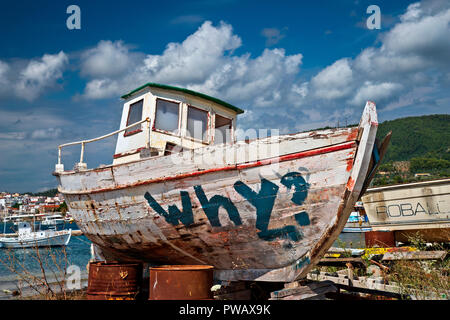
column 193, row 93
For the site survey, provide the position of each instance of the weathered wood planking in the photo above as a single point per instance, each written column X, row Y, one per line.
column 305, row 292
column 415, row 255
column 378, row 286
column 251, row 214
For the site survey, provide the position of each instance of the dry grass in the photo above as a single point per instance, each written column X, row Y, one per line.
column 428, row 279
column 422, row 279
column 49, row 282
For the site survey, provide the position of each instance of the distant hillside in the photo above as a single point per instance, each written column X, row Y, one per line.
column 419, row 150
column 413, row 137
column 47, row 193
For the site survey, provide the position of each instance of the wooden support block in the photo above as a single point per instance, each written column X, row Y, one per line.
column 301, row 297
column 307, row 291
column 295, row 284
column 415, row 255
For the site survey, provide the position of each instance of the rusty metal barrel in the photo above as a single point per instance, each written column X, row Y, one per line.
column 181, row 282
column 114, row 281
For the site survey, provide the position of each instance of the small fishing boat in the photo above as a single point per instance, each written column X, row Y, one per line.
column 357, row 221
column 27, row 238
column 410, row 209
column 182, row 190
column 52, row 220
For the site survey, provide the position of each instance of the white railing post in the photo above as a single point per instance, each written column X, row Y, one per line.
column 82, row 152
column 59, row 167
column 81, row 165
column 149, row 133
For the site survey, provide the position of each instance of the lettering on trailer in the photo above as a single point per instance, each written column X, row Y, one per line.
column 263, row 201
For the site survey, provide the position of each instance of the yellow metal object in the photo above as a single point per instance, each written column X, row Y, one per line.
column 368, row 252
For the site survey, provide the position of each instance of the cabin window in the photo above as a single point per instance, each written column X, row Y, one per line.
column 197, row 123
column 222, row 130
column 134, row 115
column 166, row 117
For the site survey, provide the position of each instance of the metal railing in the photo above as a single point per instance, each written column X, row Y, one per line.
column 60, row 166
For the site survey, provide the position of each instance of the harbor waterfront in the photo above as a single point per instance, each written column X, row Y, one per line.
column 77, row 252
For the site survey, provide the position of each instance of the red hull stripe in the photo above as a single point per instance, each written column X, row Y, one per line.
column 298, row 155
column 287, row 157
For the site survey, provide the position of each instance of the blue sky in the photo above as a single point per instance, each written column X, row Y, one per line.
column 292, row 65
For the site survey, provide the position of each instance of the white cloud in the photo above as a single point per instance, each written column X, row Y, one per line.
column 107, row 59
column 205, row 62
column 4, row 67
column 14, row 122
column 4, row 82
column 414, row 52
column 413, row 13
column 49, row 133
column 378, row 63
column 415, row 96
column 196, row 57
column 376, row 92
column 102, row 88
column 18, row 135
column 427, row 37
column 261, row 82
column 334, row 81
column 313, row 114
column 40, row 74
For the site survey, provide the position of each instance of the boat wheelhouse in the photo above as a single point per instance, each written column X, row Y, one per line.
column 182, row 190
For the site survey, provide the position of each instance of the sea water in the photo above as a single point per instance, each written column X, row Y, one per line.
column 354, row 240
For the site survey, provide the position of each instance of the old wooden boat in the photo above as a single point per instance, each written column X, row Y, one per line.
column 412, row 209
column 263, row 209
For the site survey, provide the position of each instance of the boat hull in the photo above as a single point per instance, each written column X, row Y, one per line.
column 412, row 208
column 251, row 213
